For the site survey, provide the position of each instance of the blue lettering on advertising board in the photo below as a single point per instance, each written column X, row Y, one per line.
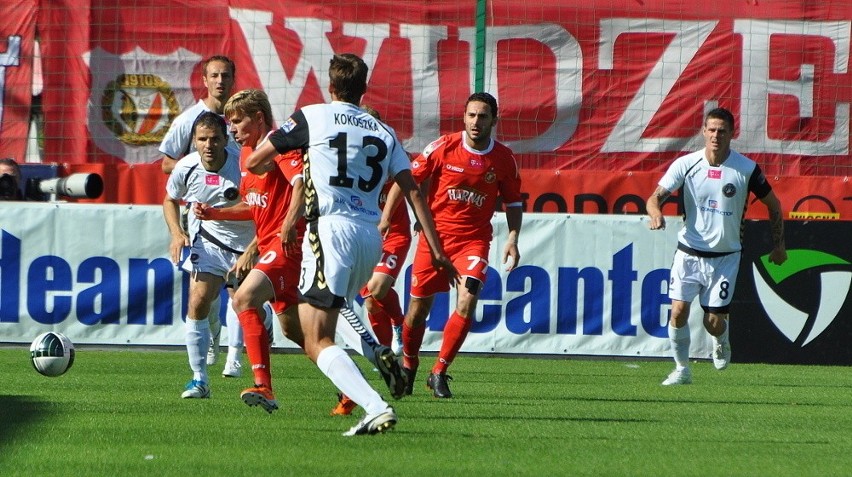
column 51, row 281
column 535, row 288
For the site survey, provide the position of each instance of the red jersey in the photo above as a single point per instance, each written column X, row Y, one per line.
column 269, row 196
column 466, row 184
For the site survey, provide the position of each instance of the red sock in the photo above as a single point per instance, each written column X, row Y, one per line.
column 412, row 338
column 380, row 321
column 257, row 346
column 390, row 303
column 455, row 333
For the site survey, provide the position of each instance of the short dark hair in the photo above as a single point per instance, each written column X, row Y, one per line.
column 8, row 161
column 486, row 98
column 347, row 74
column 723, row 114
column 211, row 120
column 223, row 59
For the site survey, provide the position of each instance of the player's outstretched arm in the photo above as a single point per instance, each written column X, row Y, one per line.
column 424, row 217
column 776, row 223
column 240, row 211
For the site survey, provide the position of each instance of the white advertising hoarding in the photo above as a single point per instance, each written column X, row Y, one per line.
column 586, row 284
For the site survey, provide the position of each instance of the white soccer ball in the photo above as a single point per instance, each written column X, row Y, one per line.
column 52, row 353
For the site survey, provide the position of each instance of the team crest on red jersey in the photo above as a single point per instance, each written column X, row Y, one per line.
column 490, row 177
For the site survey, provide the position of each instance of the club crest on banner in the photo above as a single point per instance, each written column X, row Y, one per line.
column 134, row 99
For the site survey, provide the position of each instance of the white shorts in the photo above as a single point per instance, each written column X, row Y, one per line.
column 712, row 280
column 338, row 257
column 208, row 257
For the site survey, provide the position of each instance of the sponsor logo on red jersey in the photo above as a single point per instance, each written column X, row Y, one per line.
column 468, row 196
column 256, row 199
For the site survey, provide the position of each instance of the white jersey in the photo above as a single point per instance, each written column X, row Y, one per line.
column 178, row 139
column 714, row 199
column 350, row 156
column 218, row 189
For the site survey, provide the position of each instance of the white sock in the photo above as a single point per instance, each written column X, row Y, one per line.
column 353, row 339
column 680, row 341
column 235, row 331
column 197, row 341
column 234, row 353
column 342, row 371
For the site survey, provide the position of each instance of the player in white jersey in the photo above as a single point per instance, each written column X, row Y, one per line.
column 218, row 74
column 211, row 175
column 715, row 183
column 350, row 157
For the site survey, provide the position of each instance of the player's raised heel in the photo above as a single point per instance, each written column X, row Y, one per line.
column 373, row 423
column 391, row 371
column 260, row 396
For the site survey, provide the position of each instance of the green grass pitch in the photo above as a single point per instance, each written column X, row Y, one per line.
column 118, row 412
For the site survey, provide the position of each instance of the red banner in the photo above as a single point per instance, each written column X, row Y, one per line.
column 612, row 85
column 17, row 32
column 598, row 192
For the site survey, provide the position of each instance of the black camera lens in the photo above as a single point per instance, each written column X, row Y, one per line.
column 231, row 193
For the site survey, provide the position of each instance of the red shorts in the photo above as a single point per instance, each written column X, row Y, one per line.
column 394, row 251
column 470, row 258
column 282, row 270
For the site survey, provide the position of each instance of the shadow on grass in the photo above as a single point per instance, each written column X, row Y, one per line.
column 18, row 415
column 485, row 418
column 523, row 401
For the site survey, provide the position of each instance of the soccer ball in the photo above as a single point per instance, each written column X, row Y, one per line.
column 52, row 354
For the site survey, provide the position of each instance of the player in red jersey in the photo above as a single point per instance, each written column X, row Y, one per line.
column 271, row 264
column 463, row 174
